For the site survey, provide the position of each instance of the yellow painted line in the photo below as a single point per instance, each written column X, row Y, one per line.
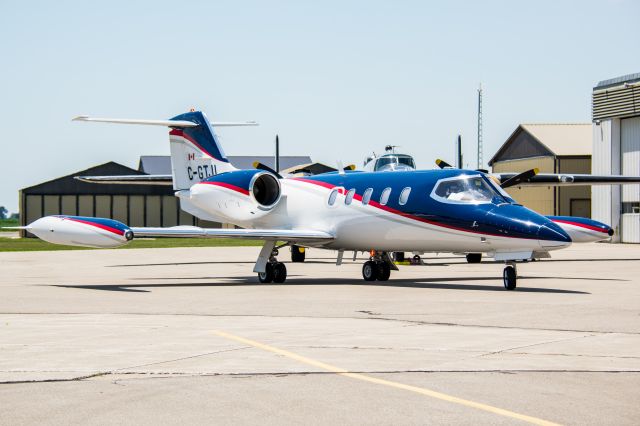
column 370, row 379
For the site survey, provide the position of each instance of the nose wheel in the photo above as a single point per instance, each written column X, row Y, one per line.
column 510, row 276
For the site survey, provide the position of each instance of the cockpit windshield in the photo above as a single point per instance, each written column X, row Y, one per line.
column 466, row 190
column 394, row 162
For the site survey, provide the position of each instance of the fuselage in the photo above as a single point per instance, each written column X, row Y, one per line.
column 427, row 211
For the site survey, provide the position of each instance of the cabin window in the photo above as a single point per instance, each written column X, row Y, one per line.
column 332, row 197
column 367, row 196
column 384, row 198
column 404, row 196
column 349, row 198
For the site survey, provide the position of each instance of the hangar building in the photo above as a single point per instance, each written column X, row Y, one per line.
column 135, row 205
column 552, row 148
column 616, row 150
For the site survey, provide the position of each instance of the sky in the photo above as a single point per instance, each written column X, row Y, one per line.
column 336, row 80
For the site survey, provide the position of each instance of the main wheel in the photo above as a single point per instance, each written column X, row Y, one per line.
column 398, row 256
column 297, row 254
column 474, row 257
column 279, row 273
column 266, row 276
column 370, row 271
column 384, row 271
column 509, row 277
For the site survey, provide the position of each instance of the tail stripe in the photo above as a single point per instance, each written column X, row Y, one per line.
column 180, row 133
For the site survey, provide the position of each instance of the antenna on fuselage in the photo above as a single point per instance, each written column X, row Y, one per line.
column 459, row 151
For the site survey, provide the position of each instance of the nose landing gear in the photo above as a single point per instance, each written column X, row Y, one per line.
column 510, row 276
column 274, row 271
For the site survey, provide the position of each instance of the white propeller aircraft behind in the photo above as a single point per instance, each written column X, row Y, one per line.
column 447, row 210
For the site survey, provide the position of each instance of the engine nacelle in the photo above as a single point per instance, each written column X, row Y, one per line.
column 583, row 230
column 81, row 231
column 238, row 196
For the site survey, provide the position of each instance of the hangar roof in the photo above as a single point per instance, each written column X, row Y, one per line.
column 546, row 139
column 161, row 164
column 68, row 185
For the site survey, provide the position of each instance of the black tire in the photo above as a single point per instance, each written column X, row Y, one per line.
column 267, row 276
column 398, row 256
column 297, row 254
column 370, row 271
column 384, row 271
column 279, row 273
column 474, row 257
column 509, row 277
column 416, row 260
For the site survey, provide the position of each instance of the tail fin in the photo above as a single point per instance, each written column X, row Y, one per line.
column 196, row 153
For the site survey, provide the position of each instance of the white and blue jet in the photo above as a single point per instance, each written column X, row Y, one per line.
column 442, row 210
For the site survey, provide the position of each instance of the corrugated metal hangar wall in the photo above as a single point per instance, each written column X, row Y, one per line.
column 616, row 150
column 136, row 205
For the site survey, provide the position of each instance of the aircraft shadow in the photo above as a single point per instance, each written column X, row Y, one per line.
column 433, row 283
column 428, row 262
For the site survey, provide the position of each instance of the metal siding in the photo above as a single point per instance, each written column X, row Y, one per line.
column 618, row 101
column 136, row 206
column 185, row 218
column 69, row 205
column 51, row 204
column 34, row 208
column 539, row 199
column 169, row 210
column 567, row 194
column 85, row 205
column 631, row 228
column 103, row 206
column 630, row 144
column 120, row 208
column 153, row 210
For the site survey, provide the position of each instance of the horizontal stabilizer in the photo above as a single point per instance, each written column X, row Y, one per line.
column 567, row 179
column 249, row 234
column 167, row 123
column 129, row 179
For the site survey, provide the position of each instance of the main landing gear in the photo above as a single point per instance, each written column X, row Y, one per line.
column 274, row 271
column 510, row 276
column 378, row 267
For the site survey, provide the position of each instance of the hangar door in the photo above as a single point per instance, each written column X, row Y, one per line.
column 630, row 146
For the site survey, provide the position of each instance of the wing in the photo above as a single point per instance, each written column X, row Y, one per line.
column 568, row 179
column 129, row 179
column 247, row 234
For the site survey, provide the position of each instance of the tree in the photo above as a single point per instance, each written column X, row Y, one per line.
column 3, row 212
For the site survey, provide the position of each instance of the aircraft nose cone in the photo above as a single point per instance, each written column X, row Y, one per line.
column 552, row 235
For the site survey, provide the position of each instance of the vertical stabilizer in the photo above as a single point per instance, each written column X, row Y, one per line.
column 196, row 153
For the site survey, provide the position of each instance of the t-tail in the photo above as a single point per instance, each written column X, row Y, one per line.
column 196, row 153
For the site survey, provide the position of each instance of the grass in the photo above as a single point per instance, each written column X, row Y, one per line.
column 34, row 244
column 8, row 222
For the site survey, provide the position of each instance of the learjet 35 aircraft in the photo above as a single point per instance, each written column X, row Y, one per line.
column 442, row 210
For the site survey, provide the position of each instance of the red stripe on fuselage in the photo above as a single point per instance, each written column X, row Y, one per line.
column 582, row 225
column 226, row 185
column 407, row 215
column 97, row 225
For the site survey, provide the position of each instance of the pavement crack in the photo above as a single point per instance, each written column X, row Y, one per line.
column 181, row 359
column 71, row 379
column 546, row 342
column 369, row 317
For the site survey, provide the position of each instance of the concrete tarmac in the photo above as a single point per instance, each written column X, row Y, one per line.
column 188, row 335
